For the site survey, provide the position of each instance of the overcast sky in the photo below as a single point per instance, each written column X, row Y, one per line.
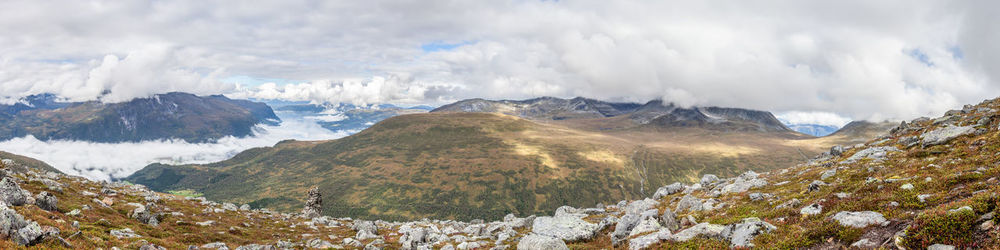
column 854, row 59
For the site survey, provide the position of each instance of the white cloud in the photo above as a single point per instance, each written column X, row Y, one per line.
column 101, row 161
column 853, row 58
column 817, row 118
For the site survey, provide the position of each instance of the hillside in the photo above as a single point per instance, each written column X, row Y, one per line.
column 165, row 116
column 928, row 183
column 480, row 165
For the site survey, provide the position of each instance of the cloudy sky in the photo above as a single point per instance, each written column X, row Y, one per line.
column 853, row 59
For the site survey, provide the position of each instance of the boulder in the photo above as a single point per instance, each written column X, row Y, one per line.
column 645, row 241
column 541, row 242
column 640, row 206
column 565, row 227
column 646, row 225
column 708, row 180
column 123, row 233
column 741, row 235
column 145, row 215
column 11, row 193
column 29, row 234
column 873, row 153
column 46, row 201
column 859, row 219
column 703, row 230
column 669, row 220
column 827, row 174
column 813, row 209
column 689, row 203
column 744, row 182
column 943, row 135
column 668, row 190
column 365, row 230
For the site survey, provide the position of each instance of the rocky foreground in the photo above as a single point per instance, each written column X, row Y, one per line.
column 931, row 183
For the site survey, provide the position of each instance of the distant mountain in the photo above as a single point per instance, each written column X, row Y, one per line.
column 20, row 162
column 654, row 112
column 813, row 129
column 164, row 116
column 864, row 129
column 349, row 117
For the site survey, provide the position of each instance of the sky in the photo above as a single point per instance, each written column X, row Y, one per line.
column 828, row 61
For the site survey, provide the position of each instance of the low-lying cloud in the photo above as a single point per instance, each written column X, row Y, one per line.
column 103, row 161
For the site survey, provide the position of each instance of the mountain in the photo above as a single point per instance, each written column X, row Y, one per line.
column 813, row 129
column 164, row 116
column 348, row 117
column 654, row 112
column 484, row 165
column 19, row 161
column 865, row 129
column 927, row 184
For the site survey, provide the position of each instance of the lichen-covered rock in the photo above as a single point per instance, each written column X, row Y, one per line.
column 11, row 193
column 873, row 153
column 943, row 135
column 10, row 222
column 742, row 234
column 541, row 242
column 565, row 227
column 669, row 220
column 813, row 209
column 144, row 214
column 46, row 201
column 859, row 219
column 706, row 230
column 642, row 242
column 744, row 182
column 29, row 234
column 649, row 224
column 123, row 233
column 668, row 190
column 708, row 180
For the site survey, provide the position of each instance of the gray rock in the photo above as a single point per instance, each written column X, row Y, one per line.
column 759, row 196
column 245, row 207
column 864, row 244
column 668, row 190
column 943, row 135
column 375, row 245
column 29, row 234
column 230, row 206
column 145, row 214
column 565, row 227
column 742, row 234
column 541, row 242
column 10, row 222
column 412, row 237
column 906, row 186
column 873, row 153
column 624, row 227
column 46, row 201
column 827, row 174
column 744, row 182
column 789, row 203
column 643, row 242
column 123, row 233
column 813, row 209
column 151, row 247
column 961, row 209
column 707, row 230
column 320, row 244
column 314, row 204
column 11, row 193
column 646, row 225
column 859, row 219
column 256, row 247
column 216, row 245
column 941, row 247
column 365, row 230
column 923, row 197
column 708, row 180
column 351, row 242
column 689, row 203
column 669, row 220
column 640, row 206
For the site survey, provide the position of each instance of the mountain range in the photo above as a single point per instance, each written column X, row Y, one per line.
column 484, row 159
column 164, row 116
column 926, row 184
column 345, row 116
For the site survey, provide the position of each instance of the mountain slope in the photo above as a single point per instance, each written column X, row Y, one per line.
column 479, row 165
column 166, row 116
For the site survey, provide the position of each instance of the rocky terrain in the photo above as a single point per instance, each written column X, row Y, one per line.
column 929, row 183
column 165, row 116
